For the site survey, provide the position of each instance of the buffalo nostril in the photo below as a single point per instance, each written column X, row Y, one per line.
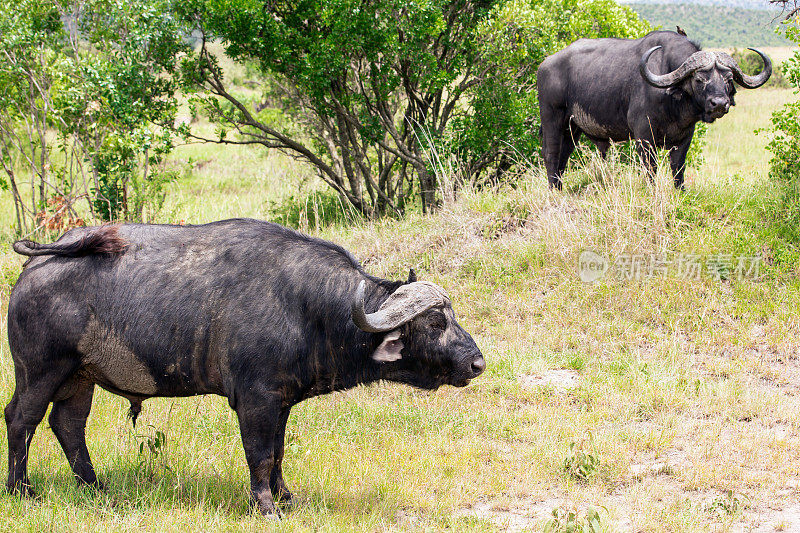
column 478, row 366
column 719, row 103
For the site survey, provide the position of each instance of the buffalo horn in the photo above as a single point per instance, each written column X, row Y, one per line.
column 748, row 82
column 701, row 59
column 407, row 302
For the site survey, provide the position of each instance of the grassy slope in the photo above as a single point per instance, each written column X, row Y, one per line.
column 686, row 390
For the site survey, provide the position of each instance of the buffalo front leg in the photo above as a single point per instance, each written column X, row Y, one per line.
column 277, row 485
column 677, row 161
column 647, row 153
column 68, row 421
column 259, row 416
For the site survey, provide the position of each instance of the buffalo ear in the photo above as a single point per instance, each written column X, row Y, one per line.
column 389, row 350
column 412, row 276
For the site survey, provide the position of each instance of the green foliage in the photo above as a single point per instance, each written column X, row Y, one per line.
column 152, row 450
column 785, row 142
column 715, row 25
column 579, row 464
column 571, row 521
column 728, row 504
column 84, row 93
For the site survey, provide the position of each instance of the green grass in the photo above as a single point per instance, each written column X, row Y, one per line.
column 686, row 396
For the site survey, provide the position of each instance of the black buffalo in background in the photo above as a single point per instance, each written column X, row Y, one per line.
column 654, row 89
column 249, row 310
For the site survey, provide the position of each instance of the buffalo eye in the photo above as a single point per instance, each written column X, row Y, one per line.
column 438, row 321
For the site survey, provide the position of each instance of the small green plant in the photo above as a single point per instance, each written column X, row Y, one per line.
column 727, row 504
column 151, row 453
column 785, row 143
column 571, row 521
column 579, row 464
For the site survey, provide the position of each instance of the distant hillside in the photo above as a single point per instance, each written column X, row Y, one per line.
column 744, row 4
column 716, row 25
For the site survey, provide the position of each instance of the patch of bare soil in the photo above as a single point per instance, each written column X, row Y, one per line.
column 514, row 516
column 778, row 517
column 559, row 379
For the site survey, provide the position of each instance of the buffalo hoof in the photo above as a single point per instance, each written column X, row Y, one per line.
column 286, row 501
column 96, row 486
column 22, row 489
column 265, row 506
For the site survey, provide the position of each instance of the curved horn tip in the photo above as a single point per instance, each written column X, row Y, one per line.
column 661, row 81
column 753, row 82
column 361, row 288
column 359, row 315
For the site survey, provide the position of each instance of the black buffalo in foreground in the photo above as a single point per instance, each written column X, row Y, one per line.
column 654, row 89
column 249, row 310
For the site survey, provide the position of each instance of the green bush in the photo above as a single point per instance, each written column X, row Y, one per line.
column 752, row 64
column 85, row 95
column 785, row 144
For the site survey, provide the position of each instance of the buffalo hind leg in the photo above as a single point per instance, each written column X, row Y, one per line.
column 555, row 130
column 23, row 413
column 19, row 442
column 277, row 485
column 68, row 422
column 259, row 416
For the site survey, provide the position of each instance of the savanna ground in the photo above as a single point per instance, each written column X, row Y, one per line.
column 665, row 403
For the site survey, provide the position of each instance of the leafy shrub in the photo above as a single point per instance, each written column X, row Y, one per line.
column 785, row 143
column 751, row 64
column 85, row 94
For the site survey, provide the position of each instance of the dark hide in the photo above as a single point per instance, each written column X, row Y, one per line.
column 594, row 87
column 245, row 309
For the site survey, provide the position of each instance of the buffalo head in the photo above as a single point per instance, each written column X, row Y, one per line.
column 422, row 344
column 708, row 78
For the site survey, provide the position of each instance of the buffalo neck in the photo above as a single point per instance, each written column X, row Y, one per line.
column 344, row 360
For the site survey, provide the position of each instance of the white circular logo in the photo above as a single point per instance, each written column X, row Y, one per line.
column 591, row 266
